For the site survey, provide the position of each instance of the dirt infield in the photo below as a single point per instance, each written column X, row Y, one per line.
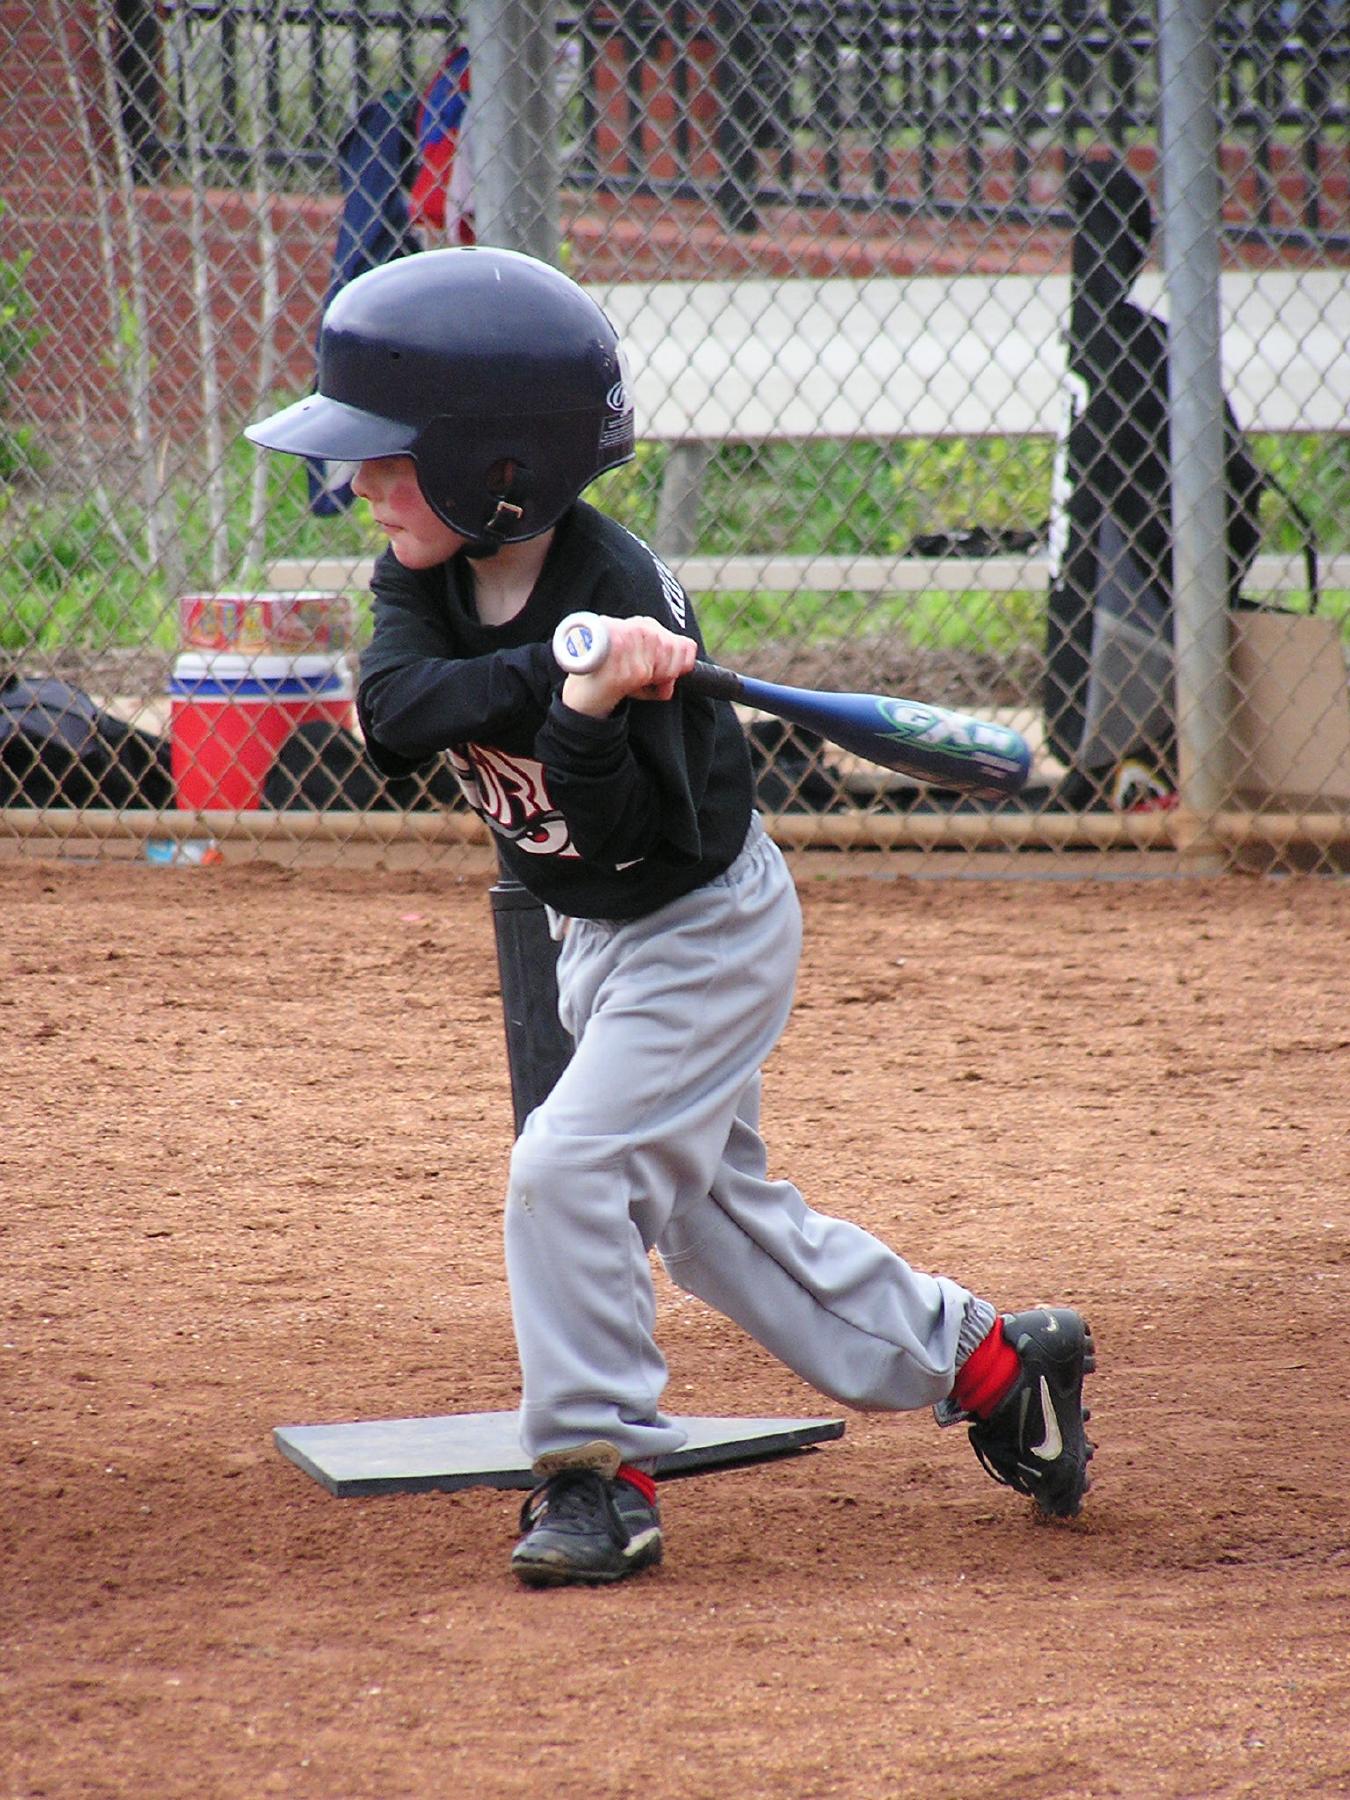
column 253, row 1135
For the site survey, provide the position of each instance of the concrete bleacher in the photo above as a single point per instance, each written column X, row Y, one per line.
column 752, row 361
column 1270, row 575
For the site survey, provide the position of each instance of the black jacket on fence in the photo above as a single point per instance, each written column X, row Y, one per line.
column 1107, row 691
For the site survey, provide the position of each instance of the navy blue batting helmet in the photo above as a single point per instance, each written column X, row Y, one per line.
column 496, row 373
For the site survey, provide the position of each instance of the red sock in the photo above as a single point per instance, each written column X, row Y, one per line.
column 635, row 1478
column 986, row 1375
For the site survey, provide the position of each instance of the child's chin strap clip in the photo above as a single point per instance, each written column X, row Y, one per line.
column 507, row 513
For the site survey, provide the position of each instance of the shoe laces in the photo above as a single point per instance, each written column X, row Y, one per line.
column 1008, row 1473
column 998, row 1440
column 581, row 1497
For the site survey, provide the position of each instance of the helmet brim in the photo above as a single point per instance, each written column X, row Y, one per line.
column 318, row 426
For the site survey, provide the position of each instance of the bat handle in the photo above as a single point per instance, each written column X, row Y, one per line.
column 713, row 682
column 581, row 644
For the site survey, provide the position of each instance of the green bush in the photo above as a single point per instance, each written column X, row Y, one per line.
column 66, row 584
column 1315, row 473
column 19, row 337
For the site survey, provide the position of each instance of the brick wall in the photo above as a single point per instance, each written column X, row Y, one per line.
column 35, row 132
column 59, row 210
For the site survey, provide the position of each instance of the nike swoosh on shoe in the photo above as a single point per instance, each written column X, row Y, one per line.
column 1051, row 1446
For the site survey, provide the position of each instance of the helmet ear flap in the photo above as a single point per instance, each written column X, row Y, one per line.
column 501, row 481
column 471, row 480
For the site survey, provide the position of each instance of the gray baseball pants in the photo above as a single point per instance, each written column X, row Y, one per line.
column 651, row 1140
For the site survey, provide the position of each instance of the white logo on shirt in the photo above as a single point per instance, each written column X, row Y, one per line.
column 510, row 793
column 673, row 593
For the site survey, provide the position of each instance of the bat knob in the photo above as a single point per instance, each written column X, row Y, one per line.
column 581, row 643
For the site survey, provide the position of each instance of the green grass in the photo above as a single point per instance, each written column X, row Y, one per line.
column 860, row 498
column 873, row 499
column 971, row 619
column 65, row 583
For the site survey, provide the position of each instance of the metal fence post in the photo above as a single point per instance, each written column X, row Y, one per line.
column 515, row 168
column 1191, row 274
column 512, row 50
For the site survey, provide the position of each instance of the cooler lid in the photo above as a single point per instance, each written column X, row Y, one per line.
column 237, row 665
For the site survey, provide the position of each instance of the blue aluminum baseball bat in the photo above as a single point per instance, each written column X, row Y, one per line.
column 928, row 743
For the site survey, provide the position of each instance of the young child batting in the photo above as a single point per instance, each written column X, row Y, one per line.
column 479, row 392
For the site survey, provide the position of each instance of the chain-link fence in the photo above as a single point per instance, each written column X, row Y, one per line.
column 893, row 280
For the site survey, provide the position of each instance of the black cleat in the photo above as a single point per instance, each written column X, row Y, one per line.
column 1034, row 1441
column 583, row 1527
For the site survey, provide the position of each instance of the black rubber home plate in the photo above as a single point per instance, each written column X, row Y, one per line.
column 462, row 1450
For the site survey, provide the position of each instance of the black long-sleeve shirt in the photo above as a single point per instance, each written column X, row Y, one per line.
column 600, row 818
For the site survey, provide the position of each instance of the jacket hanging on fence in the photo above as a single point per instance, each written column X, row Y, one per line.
column 1108, row 687
column 442, row 189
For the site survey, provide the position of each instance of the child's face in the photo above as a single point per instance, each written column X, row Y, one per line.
column 416, row 536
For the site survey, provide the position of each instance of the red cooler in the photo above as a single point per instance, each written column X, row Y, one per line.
column 230, row 714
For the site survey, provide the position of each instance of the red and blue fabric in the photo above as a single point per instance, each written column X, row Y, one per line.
column 440, row 124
